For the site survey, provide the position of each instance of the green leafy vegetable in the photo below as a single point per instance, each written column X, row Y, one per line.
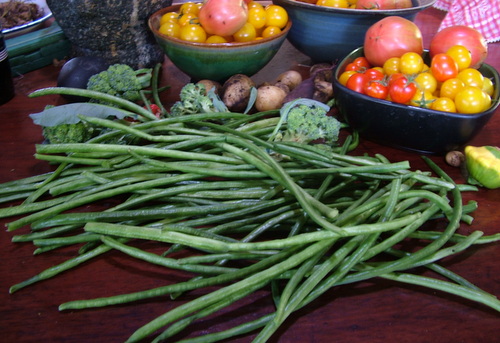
column 69, row 113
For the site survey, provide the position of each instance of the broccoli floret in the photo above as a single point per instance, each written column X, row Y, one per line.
column 194, row 98
column 121, row 80
column 70, row 133
column 307, row 121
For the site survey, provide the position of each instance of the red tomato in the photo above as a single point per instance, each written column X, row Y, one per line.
column 376, row 89
column 472, row 39
column 402, row 90
column 357, row 82
column 352, row 67
column 391, row 37
column 394, row 77
column 444, row 67
column 361, row 62
column 374, row 74
column 223, row 17
column 383, row 4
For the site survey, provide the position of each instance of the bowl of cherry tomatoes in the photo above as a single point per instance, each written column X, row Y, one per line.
column 421, row 122
column 328, row 34
column 201, row 55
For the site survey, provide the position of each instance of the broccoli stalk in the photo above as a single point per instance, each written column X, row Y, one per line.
column 194, row 98
column 121, row 80
column 306, row 121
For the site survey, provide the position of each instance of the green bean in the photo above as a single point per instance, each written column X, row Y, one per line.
column 146, row 214
column 433, row 235
column 228, row 291
column 217, row 257
column 61, row 241
column 277, row 173
column 182, row 286
column 218, row 246
column 29, row 208
column 62, row 267
column 125, row 149
column 447, row 287
column 69, row 159
column 184, row 322
column 47, row 233
column 74, row 201
column 164, row 261
column 340, row 258
column 155, row 90
column 67, row 184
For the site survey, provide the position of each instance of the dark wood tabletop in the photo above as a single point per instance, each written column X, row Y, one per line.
column 370, row 312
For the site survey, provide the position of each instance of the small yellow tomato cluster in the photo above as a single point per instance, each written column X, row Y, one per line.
column 263, row 21
column 336, row 3
column 448, row 84
column 332, row 3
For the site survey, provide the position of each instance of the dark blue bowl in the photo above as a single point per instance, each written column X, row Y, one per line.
column 327, row 34
column 408, row 127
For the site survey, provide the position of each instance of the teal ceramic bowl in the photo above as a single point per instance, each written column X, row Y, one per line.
column 216, row 62
column 407, row 127
column 328, row 34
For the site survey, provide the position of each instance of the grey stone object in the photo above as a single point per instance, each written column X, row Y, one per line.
column 116, row 30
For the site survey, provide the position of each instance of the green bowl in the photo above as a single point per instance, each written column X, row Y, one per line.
column 216, row 62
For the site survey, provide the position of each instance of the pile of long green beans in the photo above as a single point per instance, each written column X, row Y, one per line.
column 299, row 219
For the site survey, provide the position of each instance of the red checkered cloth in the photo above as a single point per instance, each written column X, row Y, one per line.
column 483, row 15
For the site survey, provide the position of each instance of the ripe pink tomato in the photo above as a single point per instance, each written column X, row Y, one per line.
column 391, row 37
column 466, row 36
column 223, row 17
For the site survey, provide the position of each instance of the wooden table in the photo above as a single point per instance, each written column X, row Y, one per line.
column 375, row 312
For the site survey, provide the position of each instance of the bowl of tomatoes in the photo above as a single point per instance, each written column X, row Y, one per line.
column 419, row 124
column 202, row 55
column 328, row 34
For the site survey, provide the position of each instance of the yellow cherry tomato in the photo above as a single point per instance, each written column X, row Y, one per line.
column 461, row 55
column 189, row 7
column 254, row 4
column 169, row 17
column 472, row 100
column 391, row 65
column 188, row 18
column 246, row 34
column 171, row 29
column 333, row 3
column 270, row 31
column 422, row 98
column 193, row 33
column 411, row 63
column 257, row 17
column 215, row 39
column 444, row 104
column 276, row 16
column 487, row 101
column 426, row 81
column 471, row 77
column 488, row 86
column 451, row 87
column 345, row 76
